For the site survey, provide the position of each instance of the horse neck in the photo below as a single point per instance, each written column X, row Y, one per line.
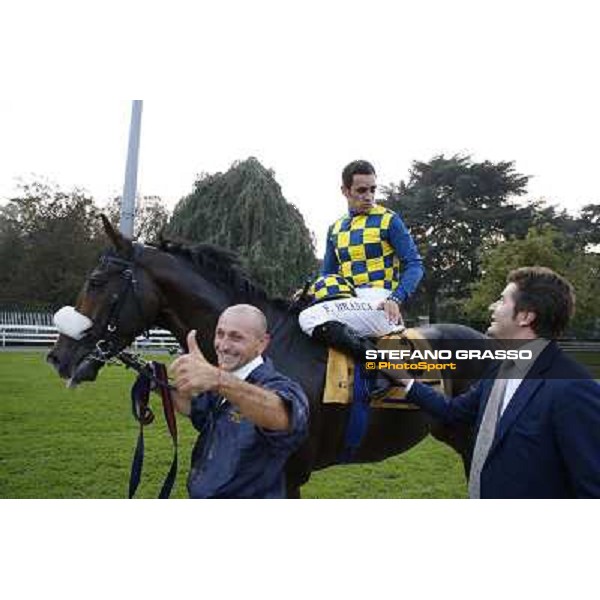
column 186, row 300
column 190, row 300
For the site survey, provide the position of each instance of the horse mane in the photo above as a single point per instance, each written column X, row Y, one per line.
column 224, row 267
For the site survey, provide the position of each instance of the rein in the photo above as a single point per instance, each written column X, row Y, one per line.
column 152, row 376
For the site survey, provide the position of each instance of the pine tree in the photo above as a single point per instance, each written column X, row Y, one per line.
column 244, row 210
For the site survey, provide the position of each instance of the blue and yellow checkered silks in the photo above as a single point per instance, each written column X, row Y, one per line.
column 331, row 287
column 363, row 251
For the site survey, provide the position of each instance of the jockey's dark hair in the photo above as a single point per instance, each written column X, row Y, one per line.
column 356, row 167
column 548, row 295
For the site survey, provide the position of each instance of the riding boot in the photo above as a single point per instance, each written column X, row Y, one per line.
column 343, row 338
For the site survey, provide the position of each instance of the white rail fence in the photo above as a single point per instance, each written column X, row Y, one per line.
column 580, row 345
column 46, row 335
column 15, row 317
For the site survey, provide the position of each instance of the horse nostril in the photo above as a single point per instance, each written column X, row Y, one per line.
column 58, row 365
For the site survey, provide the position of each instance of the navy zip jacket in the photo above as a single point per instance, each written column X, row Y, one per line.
column 234, row 458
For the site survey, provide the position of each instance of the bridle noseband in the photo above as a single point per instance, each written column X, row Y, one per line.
column 151, row 375
column 107, row 346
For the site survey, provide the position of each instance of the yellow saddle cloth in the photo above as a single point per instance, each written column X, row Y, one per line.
column 339, row 380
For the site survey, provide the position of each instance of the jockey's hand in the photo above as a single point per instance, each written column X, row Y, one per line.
column 192, row 373
column 391, row 309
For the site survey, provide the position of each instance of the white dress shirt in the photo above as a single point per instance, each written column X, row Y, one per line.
column 522, row 366
column 243, row 372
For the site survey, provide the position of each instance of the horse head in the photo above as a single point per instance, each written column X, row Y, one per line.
column 119, row 300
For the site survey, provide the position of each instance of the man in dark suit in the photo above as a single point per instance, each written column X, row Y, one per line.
column 537, row 421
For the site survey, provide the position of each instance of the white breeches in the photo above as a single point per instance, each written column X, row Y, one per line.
column 360, row 313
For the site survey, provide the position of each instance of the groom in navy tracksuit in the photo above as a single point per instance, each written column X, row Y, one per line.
column 538, row 422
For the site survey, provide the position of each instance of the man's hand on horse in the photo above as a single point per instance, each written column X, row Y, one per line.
column 391, row 309
column 192, row 373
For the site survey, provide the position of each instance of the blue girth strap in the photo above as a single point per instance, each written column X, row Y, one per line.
column 359, row 417
column 153, row 376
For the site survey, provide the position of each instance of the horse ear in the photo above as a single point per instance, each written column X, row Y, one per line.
column 122, row 244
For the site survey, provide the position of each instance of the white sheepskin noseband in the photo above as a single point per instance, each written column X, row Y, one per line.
column 71, row 323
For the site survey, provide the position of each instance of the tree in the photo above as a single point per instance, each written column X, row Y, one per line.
column 584, row 273
column 244, row 210
column 589, row 225
column 12, row 248
column 151, row 217
column 452, row 206
column 581, row 231
column 48, row 240
column 547, row 247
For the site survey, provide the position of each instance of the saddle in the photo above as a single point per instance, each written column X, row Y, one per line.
column 340, row 376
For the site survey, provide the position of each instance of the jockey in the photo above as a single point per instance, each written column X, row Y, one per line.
column 371, row 267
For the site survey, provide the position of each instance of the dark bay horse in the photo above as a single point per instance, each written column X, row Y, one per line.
column 179, row 288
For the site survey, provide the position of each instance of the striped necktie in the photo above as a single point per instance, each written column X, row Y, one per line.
column 487, row 429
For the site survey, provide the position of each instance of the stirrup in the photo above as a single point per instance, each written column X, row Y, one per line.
column 380, row 391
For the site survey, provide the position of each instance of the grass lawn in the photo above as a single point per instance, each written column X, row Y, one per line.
column 59, row 443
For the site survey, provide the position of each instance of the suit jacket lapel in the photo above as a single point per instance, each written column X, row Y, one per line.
column 519, row 401
column 528, row 388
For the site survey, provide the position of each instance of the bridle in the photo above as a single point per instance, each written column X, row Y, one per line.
column 151, row 375
column 107, row 346
column 106, row 349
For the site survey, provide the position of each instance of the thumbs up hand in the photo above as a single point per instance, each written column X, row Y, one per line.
column 192, row 345
column 192, row 373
